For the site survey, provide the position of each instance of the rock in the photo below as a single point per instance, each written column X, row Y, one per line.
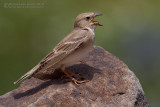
column 111, row 84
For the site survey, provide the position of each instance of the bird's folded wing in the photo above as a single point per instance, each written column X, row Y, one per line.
column 65, row 48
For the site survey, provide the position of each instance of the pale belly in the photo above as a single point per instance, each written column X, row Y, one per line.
column 78, row 55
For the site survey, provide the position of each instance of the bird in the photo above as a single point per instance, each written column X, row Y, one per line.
column 73, row 48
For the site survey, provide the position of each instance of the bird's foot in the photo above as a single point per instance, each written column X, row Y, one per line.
column 77, row 82
column 76, row 78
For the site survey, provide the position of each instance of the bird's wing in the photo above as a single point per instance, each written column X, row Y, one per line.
column 66, row 46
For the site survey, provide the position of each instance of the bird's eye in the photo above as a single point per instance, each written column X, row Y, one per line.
column 88, row 18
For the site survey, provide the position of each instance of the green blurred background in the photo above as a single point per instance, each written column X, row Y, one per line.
column 29, row 29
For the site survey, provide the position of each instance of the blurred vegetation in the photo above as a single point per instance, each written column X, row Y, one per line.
column 131, row 32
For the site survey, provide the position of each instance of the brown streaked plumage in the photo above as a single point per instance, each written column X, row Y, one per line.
column 71, row 49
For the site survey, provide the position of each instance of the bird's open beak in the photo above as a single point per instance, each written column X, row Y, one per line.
column 96, row 22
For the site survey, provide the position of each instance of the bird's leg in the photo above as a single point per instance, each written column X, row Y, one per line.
column 73, row 79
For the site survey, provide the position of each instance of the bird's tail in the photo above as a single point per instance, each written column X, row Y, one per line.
column 28, row 74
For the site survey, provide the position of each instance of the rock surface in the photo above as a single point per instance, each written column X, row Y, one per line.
column 111, row 84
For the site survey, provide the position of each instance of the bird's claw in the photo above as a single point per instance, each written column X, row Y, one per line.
column 77, row 82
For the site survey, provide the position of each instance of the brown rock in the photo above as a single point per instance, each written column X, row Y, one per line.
column 111, row 84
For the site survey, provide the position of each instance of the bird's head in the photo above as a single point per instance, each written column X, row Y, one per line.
column 86, row 20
